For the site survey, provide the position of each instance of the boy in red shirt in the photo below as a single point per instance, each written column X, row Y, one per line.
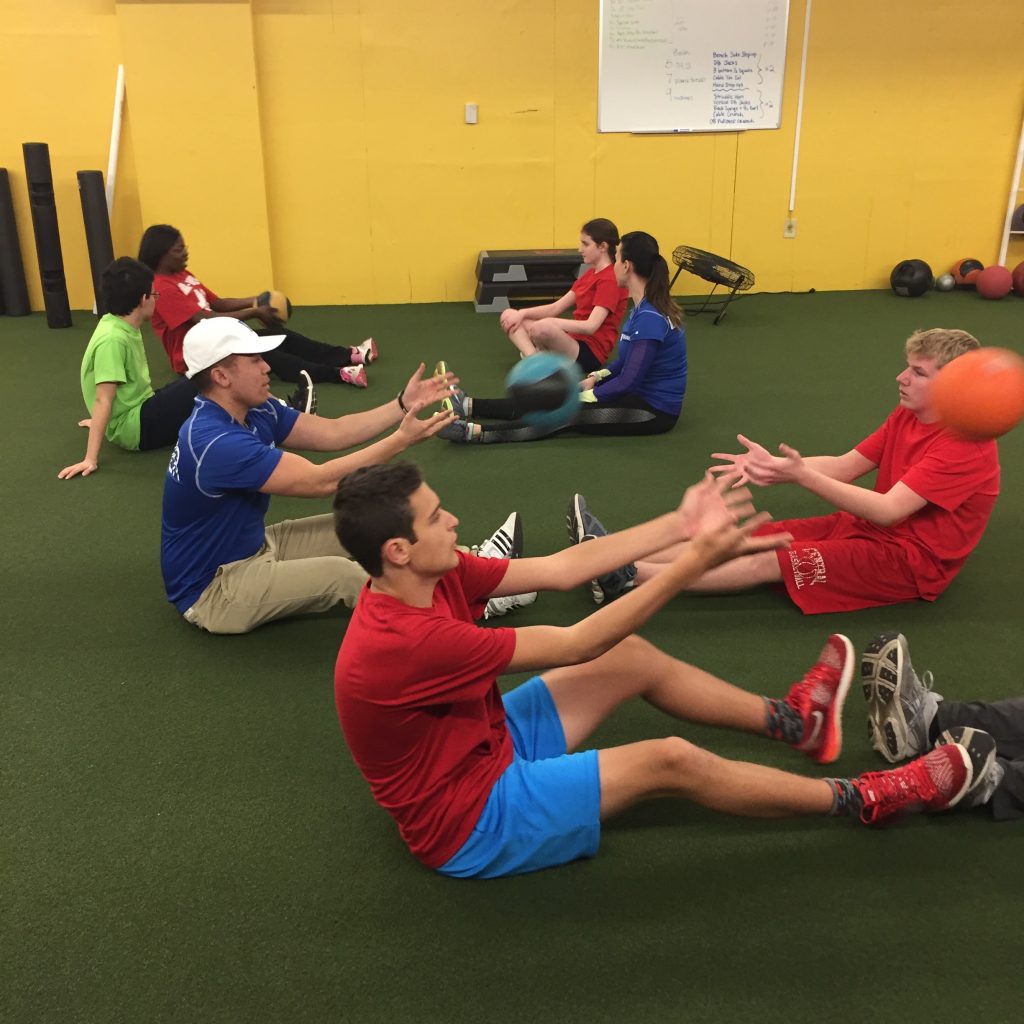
column 483, row 785
column 904, row 539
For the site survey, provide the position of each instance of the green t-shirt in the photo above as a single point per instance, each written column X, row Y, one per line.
column 115, row 355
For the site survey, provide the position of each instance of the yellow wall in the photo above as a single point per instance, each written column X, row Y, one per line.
column 320, row 144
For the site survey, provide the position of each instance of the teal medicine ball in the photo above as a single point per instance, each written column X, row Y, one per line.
column 545, row 388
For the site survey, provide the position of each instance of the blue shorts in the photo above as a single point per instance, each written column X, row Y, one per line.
column 545, row 808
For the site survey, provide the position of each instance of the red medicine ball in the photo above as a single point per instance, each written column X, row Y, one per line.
column 994, row 282
column 1018, row 279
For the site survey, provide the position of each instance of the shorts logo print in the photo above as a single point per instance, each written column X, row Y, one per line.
column 808, row 567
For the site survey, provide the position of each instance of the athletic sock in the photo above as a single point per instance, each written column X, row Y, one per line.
column 846, row 798
column 782, row 722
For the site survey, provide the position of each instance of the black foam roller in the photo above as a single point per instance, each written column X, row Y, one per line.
column 13, row 292
column 97, row 229
column 44, row 223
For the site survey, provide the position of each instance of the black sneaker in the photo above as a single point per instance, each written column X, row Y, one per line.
column 583, row 525
column 303, row 398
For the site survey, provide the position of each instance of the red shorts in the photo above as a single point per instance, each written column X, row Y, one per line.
column 836, row 564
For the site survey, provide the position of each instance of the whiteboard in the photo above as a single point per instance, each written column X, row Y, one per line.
column 691, row 65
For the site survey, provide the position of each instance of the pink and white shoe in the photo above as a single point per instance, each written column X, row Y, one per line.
column 354, row 375
column 364, row 354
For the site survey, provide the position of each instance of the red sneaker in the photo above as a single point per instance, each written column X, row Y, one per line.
column 934, row 782
column 819, row 697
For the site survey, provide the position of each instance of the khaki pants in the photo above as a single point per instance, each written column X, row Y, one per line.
column 300, row 568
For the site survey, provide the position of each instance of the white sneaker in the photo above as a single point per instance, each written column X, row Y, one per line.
column 505, row 542
column 367, row 352
column 498, row 606
column 354, row 375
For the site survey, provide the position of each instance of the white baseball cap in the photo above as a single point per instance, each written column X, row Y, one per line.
column 218, row 337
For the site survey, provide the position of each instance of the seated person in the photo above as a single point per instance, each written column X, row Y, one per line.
column 905, row 538
column 597, row 301
column 183, row 300
column 640, row 393
column 115, row 375
column 483, row 784
column 222, row 568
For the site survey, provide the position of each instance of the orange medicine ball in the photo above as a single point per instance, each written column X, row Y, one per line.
column 981, row 393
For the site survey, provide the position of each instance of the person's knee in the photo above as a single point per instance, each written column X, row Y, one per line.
column 682, row 764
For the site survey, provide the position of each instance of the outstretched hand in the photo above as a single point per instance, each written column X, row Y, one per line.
column 757, row 465
column 420, row 392
column 720, row 519
column 413, row 430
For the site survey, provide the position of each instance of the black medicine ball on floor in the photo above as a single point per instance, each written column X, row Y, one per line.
column 911, row 278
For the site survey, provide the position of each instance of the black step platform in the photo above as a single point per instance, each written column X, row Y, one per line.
column 522, row 277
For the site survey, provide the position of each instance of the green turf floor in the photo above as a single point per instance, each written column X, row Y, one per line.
column 184, row 837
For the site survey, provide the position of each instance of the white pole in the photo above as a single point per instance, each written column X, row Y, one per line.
column 115, row 138
column 1014, row 196
column 800, row 107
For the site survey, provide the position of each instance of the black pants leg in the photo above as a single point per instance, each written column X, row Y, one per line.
column 297, row 352
column 161, row 416
column 624, row 417
column 1004, row 721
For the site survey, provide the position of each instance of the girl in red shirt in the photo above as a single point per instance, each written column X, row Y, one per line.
column 596, row 299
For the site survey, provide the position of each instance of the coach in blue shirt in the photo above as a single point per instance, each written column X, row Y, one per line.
column 223, row 569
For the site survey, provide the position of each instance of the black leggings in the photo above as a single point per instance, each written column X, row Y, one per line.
column 161, row 416
column 297, row 352
column 628, row 416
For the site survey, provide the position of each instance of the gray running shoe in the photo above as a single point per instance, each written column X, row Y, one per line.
column 459, row 402
column 583, row 525
column 900, row 705
column 459, row 431
column 988, row 772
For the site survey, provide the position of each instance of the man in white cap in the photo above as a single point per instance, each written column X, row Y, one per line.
column 222, row 568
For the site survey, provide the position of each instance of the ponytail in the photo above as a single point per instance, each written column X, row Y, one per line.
column 641, row 249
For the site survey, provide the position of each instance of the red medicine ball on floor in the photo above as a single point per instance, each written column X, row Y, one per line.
column 994, row 282
column 1018, row 279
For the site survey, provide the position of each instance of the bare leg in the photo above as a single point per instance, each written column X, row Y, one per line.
column 672, row 767
column 520, row 337
column 739, row 574
column 550, row 335
column 585, row 695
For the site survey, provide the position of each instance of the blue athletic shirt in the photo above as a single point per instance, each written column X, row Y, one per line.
column 651, row 362
column 213, row 510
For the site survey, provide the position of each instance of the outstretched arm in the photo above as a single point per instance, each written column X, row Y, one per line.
column 826, row 476
column 298, row 477
column 318, row 434
column 705, row 507
column 101, row 407
column 551, row 646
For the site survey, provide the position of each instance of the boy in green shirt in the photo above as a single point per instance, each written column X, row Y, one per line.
column 115, row 375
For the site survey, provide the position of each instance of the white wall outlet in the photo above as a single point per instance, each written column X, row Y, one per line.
column 472, row 113
column 789, row 228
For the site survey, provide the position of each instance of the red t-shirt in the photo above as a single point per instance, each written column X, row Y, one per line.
column 181, row 296
column 600, row 289
column 419, row 704
column 960, row 481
